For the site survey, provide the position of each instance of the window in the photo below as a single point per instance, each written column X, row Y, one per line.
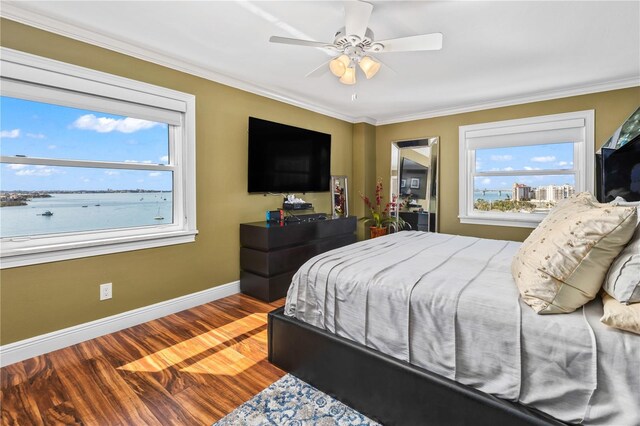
column 513, row 172
column 91, row 163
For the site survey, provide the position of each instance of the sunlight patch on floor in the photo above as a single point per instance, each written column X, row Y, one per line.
column 227, row 362
column 190, row 348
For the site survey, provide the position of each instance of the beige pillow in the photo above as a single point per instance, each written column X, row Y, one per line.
column 562, row 264
column 624, row 317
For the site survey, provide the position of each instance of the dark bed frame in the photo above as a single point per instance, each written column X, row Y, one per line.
column 385, row 389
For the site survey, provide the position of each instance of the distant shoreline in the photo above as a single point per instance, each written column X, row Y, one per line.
column 83, row 191
column 21, row 198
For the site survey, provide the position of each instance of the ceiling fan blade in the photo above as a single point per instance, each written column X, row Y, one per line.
column 321, row 70
column 298, row 42
column 357, row 14
column 431, row 41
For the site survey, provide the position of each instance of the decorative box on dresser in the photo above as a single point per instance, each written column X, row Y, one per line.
column 271, row 253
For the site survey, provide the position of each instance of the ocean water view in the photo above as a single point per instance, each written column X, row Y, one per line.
column 76, row 212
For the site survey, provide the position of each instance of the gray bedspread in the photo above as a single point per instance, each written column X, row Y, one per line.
column 449, row 304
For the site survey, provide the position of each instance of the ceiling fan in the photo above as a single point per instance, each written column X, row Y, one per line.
column 355, row 42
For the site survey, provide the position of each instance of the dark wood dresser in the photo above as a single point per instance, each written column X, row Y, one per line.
column 271, row 253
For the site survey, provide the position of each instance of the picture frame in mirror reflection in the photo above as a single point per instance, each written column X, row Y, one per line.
column 339, row 196
column 415, row 183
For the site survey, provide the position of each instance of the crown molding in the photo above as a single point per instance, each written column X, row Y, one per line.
column 10, row 10
column 520, row 100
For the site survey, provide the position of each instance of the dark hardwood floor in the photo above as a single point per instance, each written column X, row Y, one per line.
column 190, row 368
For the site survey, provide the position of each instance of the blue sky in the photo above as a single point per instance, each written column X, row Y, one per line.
column 535, row 157
column 37, row 129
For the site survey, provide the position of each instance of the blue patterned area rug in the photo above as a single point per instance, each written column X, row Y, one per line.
column 292, row 402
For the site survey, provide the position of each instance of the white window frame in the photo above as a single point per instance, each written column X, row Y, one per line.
column 41, row 79
column 576, row 127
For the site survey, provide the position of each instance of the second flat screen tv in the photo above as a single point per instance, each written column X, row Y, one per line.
column 287, row 159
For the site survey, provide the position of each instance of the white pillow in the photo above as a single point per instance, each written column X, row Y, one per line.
column 623, row 279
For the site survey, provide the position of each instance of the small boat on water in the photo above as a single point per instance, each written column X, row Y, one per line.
column 85, row 206
column 97, row 205
column 158, row 217
column 46, row 213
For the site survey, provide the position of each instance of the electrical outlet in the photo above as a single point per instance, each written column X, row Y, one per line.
column 105, row 291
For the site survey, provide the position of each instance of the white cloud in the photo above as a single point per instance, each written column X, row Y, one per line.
column 501, row 157
column 486, row 181
column 38, row 171
column 165, row 159
column 140, row 180
column 154, row 174
column 111, row 172
column 545, row 159
column 52, row 146
column 531, row 168
column 107, row 125
column 10, row 134
column 508, row 169
column 16, row 166
column 36, row 135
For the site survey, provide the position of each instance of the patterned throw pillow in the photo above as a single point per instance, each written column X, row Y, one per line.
column 563, row 263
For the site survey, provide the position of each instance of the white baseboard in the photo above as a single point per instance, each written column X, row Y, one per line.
column 38, row 345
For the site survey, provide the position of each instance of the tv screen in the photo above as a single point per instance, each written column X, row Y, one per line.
column 287, row 159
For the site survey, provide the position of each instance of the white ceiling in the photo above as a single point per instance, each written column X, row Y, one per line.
column 494, row 53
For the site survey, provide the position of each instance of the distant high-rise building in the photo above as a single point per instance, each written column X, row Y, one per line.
column 553, row 192
column 521, row 192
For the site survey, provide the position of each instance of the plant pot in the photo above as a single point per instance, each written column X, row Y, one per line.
column 374, row 231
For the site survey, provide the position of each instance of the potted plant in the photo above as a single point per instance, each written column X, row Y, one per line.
column 381, row 219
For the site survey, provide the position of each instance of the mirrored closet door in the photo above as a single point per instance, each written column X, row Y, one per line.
column 414, row 180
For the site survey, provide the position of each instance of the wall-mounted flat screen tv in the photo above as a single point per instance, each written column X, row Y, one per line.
column 287, row 159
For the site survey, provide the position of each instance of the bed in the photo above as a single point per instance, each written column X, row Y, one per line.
column 424, row 328
column 420, row 328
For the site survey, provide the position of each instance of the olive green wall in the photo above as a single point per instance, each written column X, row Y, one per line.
column 364, row 171
column 43, row 298
column 611, row 108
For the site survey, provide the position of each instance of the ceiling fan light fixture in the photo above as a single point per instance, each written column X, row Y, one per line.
column 339, row 65
column 349, row 76
column 369, row 66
